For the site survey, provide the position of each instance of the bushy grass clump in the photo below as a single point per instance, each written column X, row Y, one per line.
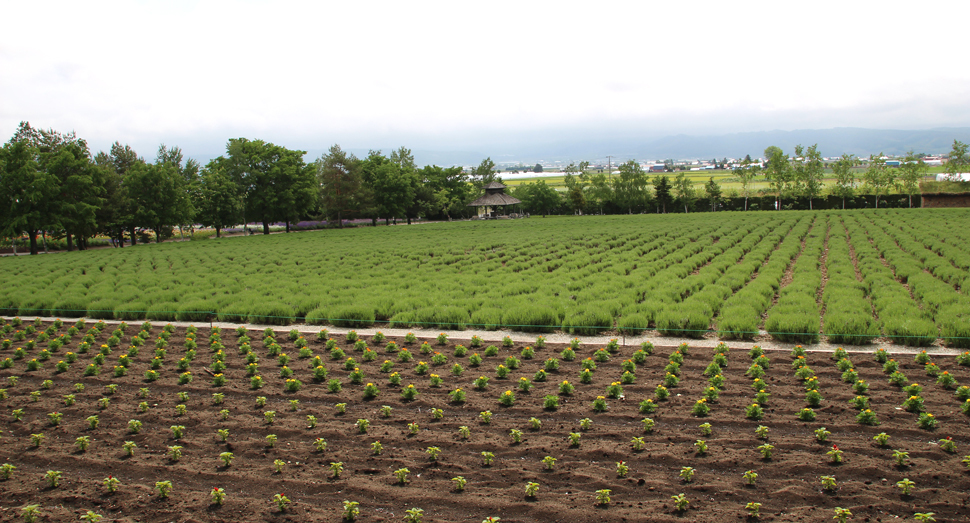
column 355, row 316
column 531, row 318
column 164, row 311
column 487, row 318
column 794, row 325
column 633, row 324
column 195, row 310
column 738, row 322
column 234, row 313
column 133, row 310
column 451, row 318
column 690, row 320
column 590, row 320
column 912, row 331
column 103, row 309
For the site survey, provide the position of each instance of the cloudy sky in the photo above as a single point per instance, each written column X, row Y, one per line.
column 474, row 76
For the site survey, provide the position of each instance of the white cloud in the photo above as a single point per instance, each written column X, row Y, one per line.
column 442, row 74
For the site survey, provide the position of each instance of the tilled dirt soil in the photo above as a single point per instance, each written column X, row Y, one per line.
column 788, row 485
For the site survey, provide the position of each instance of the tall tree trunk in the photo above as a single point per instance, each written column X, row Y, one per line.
column 217, row 231
column 265, row 227
column 158, row 233
column 746, row 203
column 121, row 238
column 70, row 242
column 43, row 236
column 134, row 237
column 33, row 241
column 287, row 226
column 340, row 222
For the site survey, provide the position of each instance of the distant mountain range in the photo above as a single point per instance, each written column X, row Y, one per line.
column 831, row 142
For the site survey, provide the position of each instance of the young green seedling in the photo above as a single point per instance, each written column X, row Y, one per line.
column 531, row 489
column 906, row 485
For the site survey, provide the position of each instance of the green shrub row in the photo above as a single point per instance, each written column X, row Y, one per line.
column 848, row 312
column 795, row 317
column 741, row 314
column 899, row 315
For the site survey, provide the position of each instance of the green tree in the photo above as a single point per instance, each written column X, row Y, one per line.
column 451, row 189
column 684, row 189
column 599, row 192
column 911, row 171
column 217, row 200
column 811, row 172
column 575, row 192
column 189, row 171
column 745, row 173
column 778, row 172
column 160, row 197
column 275, row 182
column 630, row 187
column 483, row 175
column 958, row 160
column 340, row 182
column 713, row 192
column 538, row 197
column 80, row 186
column 393, row 182
column 845, row 180
column 117, row 165
column 537, row 168
column 878, row 178
column 662, row 192
column 28, row 191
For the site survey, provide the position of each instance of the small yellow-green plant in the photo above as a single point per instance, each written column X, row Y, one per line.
column 531, row 489
column 680, row 501
column 460, row 482
column 603, row 496
column 842, row 515
column 687, row 474
column 828, row 483
column 750, row 477
column 905, row 485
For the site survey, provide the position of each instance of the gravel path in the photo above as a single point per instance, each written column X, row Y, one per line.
column 710, row 341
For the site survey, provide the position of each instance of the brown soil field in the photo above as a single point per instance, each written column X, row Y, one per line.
column 788, row 485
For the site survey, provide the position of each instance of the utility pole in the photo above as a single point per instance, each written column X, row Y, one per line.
column 609, row 160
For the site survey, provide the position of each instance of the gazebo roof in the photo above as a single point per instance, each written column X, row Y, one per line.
column 494, row 197
column 495, row 200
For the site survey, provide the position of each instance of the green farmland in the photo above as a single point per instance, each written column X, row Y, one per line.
column 852, row 276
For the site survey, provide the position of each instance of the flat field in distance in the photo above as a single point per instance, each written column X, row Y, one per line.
column 283, row 409
column 850, row 276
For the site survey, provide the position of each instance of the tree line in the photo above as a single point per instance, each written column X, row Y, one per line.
column 797, row 177
column 54, row 187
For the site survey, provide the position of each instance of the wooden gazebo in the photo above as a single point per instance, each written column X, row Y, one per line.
column 494, row 197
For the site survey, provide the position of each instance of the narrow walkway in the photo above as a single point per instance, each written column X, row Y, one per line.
column 492, row 337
